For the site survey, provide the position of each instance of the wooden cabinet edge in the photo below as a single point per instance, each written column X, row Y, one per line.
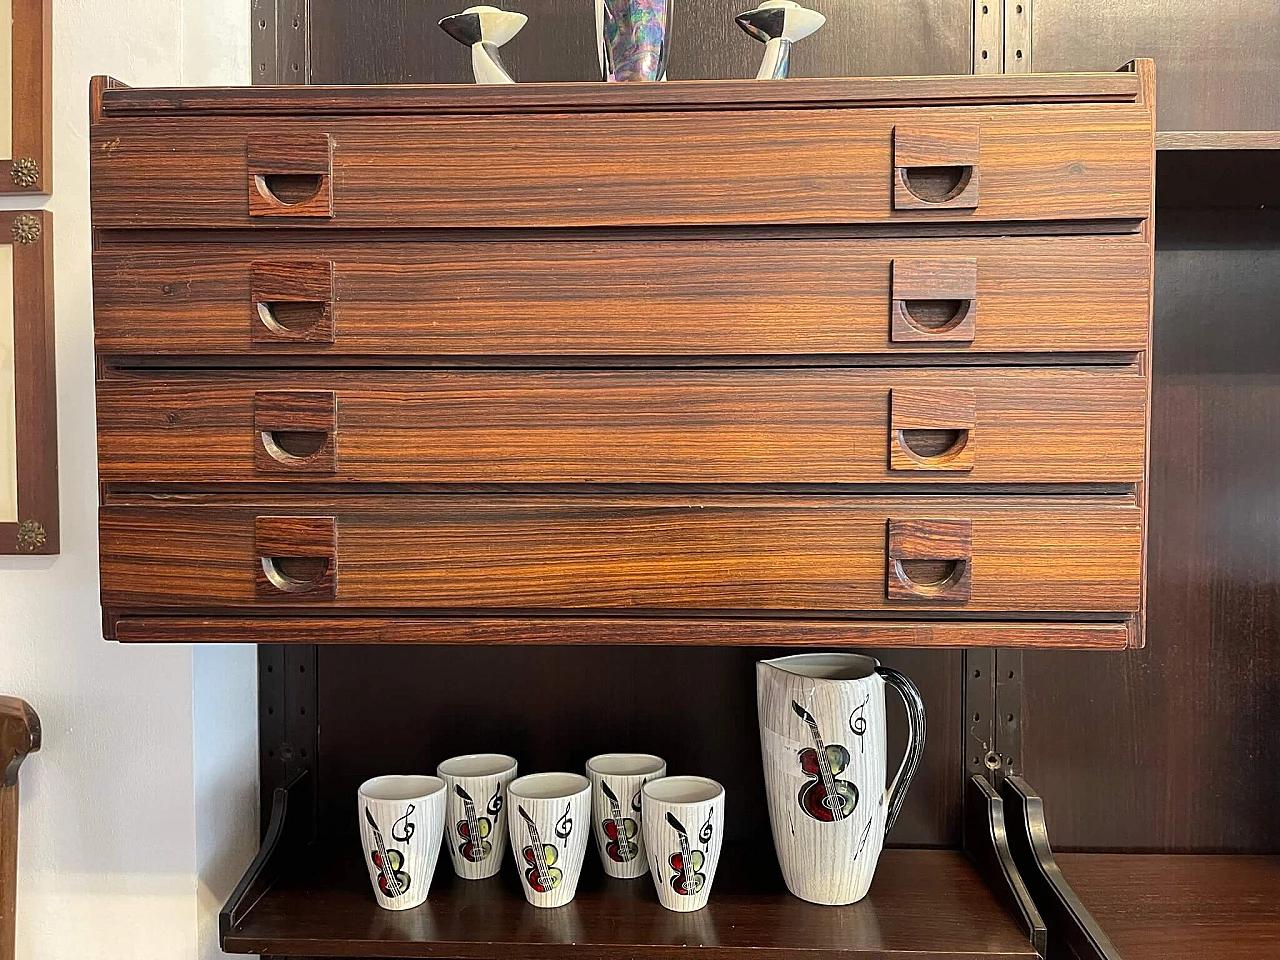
column 576, row 631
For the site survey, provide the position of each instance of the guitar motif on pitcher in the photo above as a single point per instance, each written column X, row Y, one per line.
column 621, row 831
column 687, row 862
column 825, row 797
column 542, row 874
column 392, row 880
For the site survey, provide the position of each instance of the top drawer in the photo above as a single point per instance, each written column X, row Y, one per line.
column 663, row 168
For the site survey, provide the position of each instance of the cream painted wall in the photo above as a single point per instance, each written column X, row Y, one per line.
column 141, row 811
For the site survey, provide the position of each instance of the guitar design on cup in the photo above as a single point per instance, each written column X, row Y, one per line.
column 686, row 863
column 392, row 880
column 542, row 874
column 824, row 797
column 620, row 830
column 473, row 830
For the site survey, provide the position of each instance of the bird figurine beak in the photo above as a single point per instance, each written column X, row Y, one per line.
column 484, row 30
column 778, row 24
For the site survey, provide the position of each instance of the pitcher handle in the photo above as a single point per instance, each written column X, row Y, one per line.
column 897, row 790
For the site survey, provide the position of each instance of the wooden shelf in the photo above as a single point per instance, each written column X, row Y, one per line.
column 1188, row 907
column 1218, row 140
column 924, row 905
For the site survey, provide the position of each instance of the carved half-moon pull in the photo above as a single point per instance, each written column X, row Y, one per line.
column 934, row 300
column 930, row 559
column 291, row 301
column 936, row 167
column 295, row 558
column 290, row 175
column 931, row 429
column 295, row 431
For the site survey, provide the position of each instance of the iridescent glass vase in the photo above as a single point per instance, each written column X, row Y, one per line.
column 633, row 38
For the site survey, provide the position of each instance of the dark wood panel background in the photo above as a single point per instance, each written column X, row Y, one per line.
column 1216, row 60
column 1175, row 747
column 1169, row 748
column 386, row 709
column 398, row 41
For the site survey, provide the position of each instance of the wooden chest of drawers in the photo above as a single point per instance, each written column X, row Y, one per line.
column 815, row 361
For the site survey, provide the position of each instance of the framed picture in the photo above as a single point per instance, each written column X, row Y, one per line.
column 26, row 96
column 28, row 397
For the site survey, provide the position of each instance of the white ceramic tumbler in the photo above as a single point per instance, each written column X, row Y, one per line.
column 548, row 820
column 475, row 811
column 616, row 779
column 683, row 834
column 401, row 823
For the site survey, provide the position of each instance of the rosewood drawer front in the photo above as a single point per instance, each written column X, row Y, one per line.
column 785, row 166
column 1060, row 555
column 567, row 299
column 805, row 425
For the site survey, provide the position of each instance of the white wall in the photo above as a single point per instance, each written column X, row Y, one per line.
column 140, row 812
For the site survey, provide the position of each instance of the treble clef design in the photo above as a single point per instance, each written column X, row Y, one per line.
column 564, row 826
column 403, row 834
column 635, row 797
column 704, row 835
column 858, row 724
column 494, row 806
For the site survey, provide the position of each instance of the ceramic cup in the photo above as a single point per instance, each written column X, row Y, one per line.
column 475, row 811
column 616, row 779
column 549, row 819
column 683, row 823
column 401, row 823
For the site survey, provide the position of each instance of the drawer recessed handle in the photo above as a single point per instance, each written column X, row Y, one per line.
column 291, row 320
column 936, row 185
column 289, row 189
column 294, row 448
column 292, row 301
column 932, row 429
column 295, row 558
column 295, row 574
column 296, row 431
column 290, row 175
column 936, row 167
column 934, row 447
column 930, row 559
column 931, row 578
column 934, row 299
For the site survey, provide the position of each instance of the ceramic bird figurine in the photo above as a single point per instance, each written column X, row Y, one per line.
column 484, row 30
column 778, row 24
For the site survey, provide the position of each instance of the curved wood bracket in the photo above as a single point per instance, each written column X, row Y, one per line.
column 290, row 830
column 1071, row 928
column 986, row 841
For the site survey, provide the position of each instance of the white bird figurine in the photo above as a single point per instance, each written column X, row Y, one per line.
column 778, row 24
column 484, row 30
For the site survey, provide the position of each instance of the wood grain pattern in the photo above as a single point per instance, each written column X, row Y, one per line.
column 556, row 298
column 630, row 631
column 1196, row 907
column 753, row 426
column 30, row 168
column 924, row 905
column 550, row 553
column 117, row 100
column 35, row 386
column 1038, row 163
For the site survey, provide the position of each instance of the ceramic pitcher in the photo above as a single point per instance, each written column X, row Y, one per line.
column 822, row 737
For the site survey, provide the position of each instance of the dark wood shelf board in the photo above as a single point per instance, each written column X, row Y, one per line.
column 924, row 905
column 1181, row 907
column 117, row 100
column 1218, row 140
